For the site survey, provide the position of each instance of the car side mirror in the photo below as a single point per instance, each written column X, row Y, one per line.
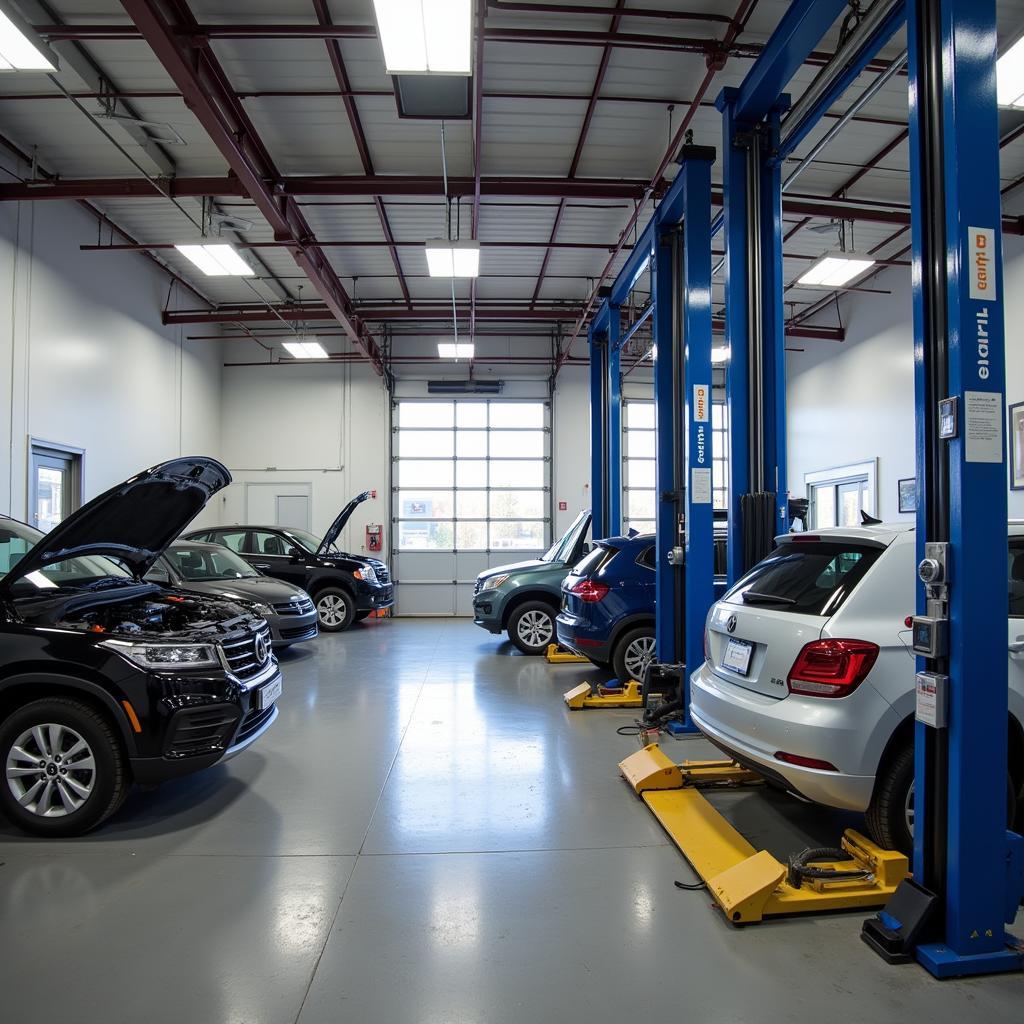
column 158, row 575
column 295, row 554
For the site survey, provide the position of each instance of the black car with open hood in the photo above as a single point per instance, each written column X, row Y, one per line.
column 106, row 678
column 345, row 588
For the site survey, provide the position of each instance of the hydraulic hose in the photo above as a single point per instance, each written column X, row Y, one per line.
column 801, row 866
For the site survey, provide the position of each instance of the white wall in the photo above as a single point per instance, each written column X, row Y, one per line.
column 853, row 401
column 85, row 361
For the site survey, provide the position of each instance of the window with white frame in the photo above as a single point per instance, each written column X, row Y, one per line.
column 471, row 475
column 639, row 482
column 839, row 495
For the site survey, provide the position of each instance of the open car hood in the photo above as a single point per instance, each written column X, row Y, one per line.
column 133, row 522
column 339, row 524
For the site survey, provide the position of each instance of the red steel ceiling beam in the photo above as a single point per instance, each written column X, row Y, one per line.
column 208, row 95
column 323, row 15
column 602, row 69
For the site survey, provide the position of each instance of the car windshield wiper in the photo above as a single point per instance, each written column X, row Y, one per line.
column 753, row 597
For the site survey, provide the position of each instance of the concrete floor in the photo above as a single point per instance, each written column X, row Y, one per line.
column 427, row 835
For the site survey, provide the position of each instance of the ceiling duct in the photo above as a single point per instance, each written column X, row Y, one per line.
column 465, row 387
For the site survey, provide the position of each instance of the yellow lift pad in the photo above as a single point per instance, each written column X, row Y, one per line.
column 582, row 696
column 556, row 655
column 750, row 885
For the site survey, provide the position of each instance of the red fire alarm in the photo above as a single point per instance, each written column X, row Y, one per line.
column 563, row 506
column 373, row 494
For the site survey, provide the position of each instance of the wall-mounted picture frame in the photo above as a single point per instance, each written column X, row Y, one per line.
column 1017, row 447
column 908, row 494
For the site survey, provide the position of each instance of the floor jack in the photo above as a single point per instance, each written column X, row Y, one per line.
column 750, row 885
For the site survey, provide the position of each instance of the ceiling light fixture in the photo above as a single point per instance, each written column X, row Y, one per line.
column 1010, row 77
column 835, row 269
column 455, row 350
column 306, row 349
column 453, row 259
column 424, row 37
column 216, row 259
column 21, row 48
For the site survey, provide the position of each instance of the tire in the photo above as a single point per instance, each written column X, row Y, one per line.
column 53, row 728
column 335, row 609
column 633, row 652
column 890, row 814
column 531, row 627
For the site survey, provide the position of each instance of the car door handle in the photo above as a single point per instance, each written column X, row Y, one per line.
column 261, row 565
column 1017, row 647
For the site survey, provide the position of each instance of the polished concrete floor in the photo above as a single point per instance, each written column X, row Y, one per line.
column 427, row 835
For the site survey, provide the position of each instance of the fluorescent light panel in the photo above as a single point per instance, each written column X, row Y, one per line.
column 20, row 48
column 456, row 350
column 835, row 269
column 306, row 349
column 453, row 259
column 1010, row 77
column 216, row 260
column 720, row 355
column 426, row 36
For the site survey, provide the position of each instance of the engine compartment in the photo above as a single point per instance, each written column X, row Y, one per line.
column 151, row 614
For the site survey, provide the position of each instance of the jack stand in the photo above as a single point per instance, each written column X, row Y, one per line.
column 747, row 884
column 629, row 696
column 556, row 655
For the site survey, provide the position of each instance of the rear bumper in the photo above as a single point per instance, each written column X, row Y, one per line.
column 582, row 642
column 753, row 727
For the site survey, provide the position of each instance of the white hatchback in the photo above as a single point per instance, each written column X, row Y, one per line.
column 809, row 675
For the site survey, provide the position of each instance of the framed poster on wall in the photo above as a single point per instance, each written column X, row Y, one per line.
column 1017, row 447
column 908, row 494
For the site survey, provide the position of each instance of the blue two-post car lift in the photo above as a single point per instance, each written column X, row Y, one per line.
column 968, row 874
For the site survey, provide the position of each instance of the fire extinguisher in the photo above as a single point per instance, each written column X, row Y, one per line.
column 374, row 537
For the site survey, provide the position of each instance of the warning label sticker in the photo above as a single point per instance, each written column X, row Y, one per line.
column 700, row 486
column 983, row 426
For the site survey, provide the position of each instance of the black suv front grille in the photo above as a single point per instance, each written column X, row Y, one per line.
column 200, row 731
column 294, row 607
column 381, row 571
column 241, row 653
column 252, row 722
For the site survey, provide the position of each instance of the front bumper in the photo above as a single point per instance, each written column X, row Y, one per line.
column 200, row 736
column 370, row 599
column 487, row 609
column 292, row 629
column 752, row 727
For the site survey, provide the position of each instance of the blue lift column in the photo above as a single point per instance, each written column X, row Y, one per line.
column 613, row 440
column 598, row 430
column 964, row 853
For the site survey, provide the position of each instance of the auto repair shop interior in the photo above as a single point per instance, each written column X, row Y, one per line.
column 504, row 507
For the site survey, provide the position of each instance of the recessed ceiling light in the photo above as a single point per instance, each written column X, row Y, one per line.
column 453, row 259
column 835, row 269
column 426, row 36
column 456, row 350
column 216, row 259
column 306, row 349
column 21, row 49
column 1010, row 76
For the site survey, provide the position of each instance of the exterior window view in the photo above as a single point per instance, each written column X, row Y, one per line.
column 500, row 497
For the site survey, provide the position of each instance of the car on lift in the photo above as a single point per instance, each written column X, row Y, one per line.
column 345, row 588
column 524, row 598
column 809, row 677
column 107, row 679
column 216, row 570
column 607, row 611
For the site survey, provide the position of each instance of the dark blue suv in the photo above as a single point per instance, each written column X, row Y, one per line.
column 608, row 606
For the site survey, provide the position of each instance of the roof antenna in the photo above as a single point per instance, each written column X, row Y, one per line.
column 868, row 520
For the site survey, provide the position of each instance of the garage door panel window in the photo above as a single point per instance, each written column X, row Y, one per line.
column 471, row 476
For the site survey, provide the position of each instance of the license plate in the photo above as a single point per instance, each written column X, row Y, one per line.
column 737, row 656
column 266, row 695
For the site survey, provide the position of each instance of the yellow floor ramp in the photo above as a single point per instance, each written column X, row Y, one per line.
column 750, row 885
column 584, row 696
column 556, row 655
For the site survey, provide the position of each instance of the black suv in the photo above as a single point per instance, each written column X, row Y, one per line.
column 345, row 588
column 105, row 678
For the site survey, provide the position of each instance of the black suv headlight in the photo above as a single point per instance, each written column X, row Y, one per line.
column 166, row 657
